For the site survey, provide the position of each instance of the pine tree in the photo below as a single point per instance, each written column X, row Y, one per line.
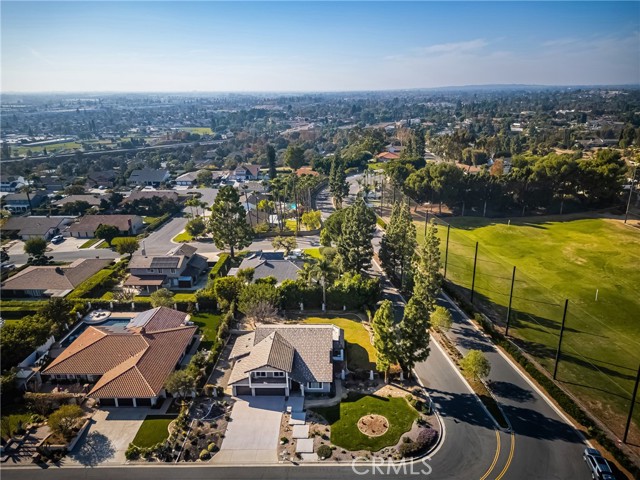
column 271, row 160
column 228, row 222
column 354, row 244
column 338, row 185
column 399, row 243
column 426, row 269
column 384, row 337
column 413, row 333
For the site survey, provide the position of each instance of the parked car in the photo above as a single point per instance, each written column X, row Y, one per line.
column 57, row 239
column 599, row 467
column 6, row 267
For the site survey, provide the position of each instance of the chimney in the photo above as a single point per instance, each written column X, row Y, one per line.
column 144, row 251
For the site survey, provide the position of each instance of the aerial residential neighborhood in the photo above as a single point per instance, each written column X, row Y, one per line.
column 320, row 240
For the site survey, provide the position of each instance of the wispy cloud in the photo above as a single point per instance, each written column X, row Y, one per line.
column 455, row 47
column 40, row 56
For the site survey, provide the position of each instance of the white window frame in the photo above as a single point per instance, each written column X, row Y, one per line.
column 173, row 270
column 278, row 374
column 260, row 374
column 314, row 385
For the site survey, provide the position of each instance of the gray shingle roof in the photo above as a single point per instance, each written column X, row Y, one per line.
column 271, row 264
column 312, row 347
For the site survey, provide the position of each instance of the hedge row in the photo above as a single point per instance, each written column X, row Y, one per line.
column 157, row 222
column 564, row 400
column 221, row 268
column 93, row 283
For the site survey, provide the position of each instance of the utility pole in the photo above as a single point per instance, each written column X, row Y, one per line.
column 426, row 221
column 473, row 279
column 446, row 252
column 633, row 402
column 564, row 318
column 513, row 279
column 633, row 182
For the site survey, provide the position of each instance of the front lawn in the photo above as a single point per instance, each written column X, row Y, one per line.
column 313, row 253
column 90, row 243
column 182, row 237
column 154, row 429
column 344, row 417
column 209, row 324
column 361, row 353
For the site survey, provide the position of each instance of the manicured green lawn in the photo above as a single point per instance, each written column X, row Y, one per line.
column 198, row 130
column 117, row 240
column 209, row 324
column 183, row 237
column 90, row 243
column 558, row 260
column 154, row 429
column 360, row 352
column 313, row 253
column 344, row 417
column 148, row 220
column 290, row 223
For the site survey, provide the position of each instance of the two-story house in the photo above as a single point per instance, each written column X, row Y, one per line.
column 245, row 172
column 181, row 267
column 22, row 202
column 11, row 183
column 286, row 360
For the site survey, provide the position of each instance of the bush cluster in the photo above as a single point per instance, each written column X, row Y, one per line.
column 324, row 451
column 426, row 438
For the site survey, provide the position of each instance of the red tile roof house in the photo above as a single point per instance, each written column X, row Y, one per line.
column 86, row 227
column 127, row 366
column 286, row 360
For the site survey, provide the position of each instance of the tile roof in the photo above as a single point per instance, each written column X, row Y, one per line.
column 135, row 280
column 312, row 347
column 55, row 277
column 157, row 319
column 170, row 194
column 149, row 175
column 131, row 363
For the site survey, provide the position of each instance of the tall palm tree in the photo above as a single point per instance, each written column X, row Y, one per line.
column 324, row 272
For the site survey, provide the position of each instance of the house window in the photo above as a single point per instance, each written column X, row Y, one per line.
column 173, row 270
column 152, row 269
column 260, row 374
column 278, row 374
column 314, row 385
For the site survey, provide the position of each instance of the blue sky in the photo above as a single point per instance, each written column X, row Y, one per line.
column 309, row 46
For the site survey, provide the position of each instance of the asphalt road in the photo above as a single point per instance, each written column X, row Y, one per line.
column 543, row 445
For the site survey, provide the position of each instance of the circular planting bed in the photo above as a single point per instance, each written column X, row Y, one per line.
column 373, row 425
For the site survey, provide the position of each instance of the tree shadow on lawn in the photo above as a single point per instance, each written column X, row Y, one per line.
column 94, row 449
column 358, row 357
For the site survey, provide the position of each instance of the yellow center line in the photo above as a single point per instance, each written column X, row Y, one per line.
column 495, row 458
column 506, row 467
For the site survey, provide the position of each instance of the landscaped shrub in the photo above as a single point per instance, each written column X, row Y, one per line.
column 204, row 454
column 94, row 285
column 324, row 451
column 221, row 268
column 154, row 225
column 132, row 452
column 212, row 447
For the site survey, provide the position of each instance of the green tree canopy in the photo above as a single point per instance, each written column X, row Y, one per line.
column 398, row 245
column 271, row 161
column 354, row 247
column 65, row 420
column 476, row 364
column 294, row 157
column 228, row 223
column 196, row 227
column 107, row 233
column 384, row 337
column 35, row 248
column 162, row 298
column 127, row 246
column 227, row 290
column 413, row 332
column 426, row 269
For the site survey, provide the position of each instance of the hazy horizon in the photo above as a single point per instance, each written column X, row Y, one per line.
column 303, row 47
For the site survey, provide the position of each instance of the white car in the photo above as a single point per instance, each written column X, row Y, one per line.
column 57, row 239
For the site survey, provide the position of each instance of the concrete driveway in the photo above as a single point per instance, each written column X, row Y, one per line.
column 108, row 437
column 253, row 432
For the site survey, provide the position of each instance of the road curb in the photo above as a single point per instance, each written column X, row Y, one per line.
column 516, row 367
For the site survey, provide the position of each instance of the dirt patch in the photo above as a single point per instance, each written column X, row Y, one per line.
column 373, row 425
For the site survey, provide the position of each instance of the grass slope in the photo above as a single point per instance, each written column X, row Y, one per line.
column 360, row 352
column 558, row 260
column 344, row 417
column 209, row 324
